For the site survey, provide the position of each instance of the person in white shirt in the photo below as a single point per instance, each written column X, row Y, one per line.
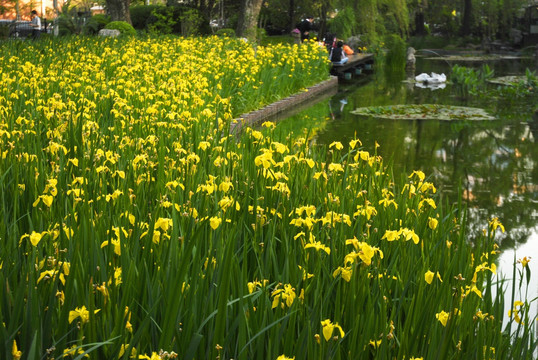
column 36, row 25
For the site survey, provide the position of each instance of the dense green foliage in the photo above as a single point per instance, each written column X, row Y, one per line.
column 70, row 21
column 225, row 32
column 95, row 23
column 473, row 20
column 122, row 26
column 5, row 30
column 468, row 80
column 141, row 15
column 161, row 19
column 395, row 57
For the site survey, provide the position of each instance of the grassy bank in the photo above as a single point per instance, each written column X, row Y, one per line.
column 134, row 226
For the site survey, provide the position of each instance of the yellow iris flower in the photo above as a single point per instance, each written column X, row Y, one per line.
column 329, row 327
column 442, row 317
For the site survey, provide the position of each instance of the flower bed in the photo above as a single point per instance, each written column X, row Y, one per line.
column 133, row 224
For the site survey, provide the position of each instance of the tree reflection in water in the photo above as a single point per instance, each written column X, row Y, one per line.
column 491, row 166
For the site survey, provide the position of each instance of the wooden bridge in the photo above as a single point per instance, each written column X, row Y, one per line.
column 356, row 65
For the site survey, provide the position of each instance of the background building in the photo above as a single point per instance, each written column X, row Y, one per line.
column 20, row 9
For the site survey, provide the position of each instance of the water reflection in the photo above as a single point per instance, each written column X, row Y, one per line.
column 491, row 166
column 506, row 262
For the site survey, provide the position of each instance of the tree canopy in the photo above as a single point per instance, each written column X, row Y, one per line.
column 373, row 19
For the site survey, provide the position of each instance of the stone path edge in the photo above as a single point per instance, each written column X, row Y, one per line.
column 258, row 116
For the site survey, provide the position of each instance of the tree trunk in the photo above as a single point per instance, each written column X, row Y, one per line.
column 467, row 17
column 17, row 10
column 291, row 15
column 325, row 6
column 118, row 10
column 248, row 19
column 419, row 15
column 419, row 23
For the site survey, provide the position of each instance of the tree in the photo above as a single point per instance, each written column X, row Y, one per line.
column 467, row 17
column 291, row 15
column 248, row 19
column 15, row 9
column 206, row 7
column 118, row 10
column 417, row 9
column 286, row 14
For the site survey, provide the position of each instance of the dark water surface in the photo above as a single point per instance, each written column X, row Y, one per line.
column 490, row 166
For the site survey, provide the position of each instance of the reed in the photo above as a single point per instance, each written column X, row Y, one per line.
column 134, row 226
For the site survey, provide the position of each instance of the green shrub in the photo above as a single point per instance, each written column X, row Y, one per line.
column 177, row 19
column 232, row 20
column 122, row 26
column 68, row 25
column 140, row 15
column 191, row 20
column 225, row 32
column 261, row 35
column 163, row 20
column 96, row 23
column 4, row 31
column 71, row 21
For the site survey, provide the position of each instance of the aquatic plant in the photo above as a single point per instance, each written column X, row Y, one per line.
column 469, row 81
column 424, row 112
column 395, row 57
column 134, row 226
column 521, row 87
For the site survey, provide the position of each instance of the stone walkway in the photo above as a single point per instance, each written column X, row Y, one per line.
column 327, row 87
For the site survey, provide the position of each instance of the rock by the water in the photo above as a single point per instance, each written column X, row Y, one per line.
column 410, row 61
column 109, row 33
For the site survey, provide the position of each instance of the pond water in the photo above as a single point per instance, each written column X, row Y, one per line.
column 490, row 166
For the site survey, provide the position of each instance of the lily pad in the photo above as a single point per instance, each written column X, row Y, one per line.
column 508, row 80
column 424, row 112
